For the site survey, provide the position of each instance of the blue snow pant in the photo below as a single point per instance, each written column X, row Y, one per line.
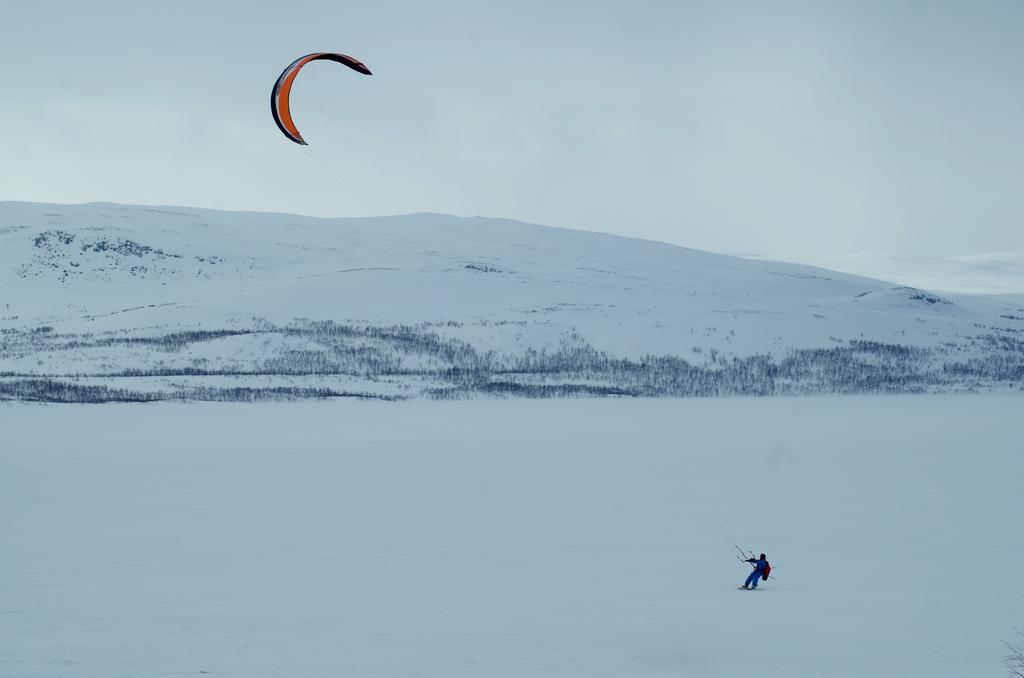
column 754, row 577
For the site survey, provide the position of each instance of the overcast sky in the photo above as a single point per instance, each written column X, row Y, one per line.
column 795, row 130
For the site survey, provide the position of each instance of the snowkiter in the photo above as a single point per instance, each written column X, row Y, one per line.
column 759, row 567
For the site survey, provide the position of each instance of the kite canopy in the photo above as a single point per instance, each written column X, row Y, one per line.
column 279, row 98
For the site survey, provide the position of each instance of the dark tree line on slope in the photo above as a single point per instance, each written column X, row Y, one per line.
column 59, row 391
column 454, row 368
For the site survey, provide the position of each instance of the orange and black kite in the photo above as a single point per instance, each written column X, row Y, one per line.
column 279, row 104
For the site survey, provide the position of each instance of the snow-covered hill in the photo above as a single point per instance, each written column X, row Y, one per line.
column 167, row 300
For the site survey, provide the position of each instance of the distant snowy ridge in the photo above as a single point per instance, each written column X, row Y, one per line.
column 992, row 273
column 110, row 302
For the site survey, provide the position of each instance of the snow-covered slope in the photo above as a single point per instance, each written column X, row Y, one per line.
column 104, row 270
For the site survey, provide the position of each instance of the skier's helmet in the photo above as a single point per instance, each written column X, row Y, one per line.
column 762, row 556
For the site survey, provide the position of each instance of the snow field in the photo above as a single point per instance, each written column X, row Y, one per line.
column 499, row 538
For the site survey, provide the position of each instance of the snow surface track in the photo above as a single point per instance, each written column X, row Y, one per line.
column 511, row 539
